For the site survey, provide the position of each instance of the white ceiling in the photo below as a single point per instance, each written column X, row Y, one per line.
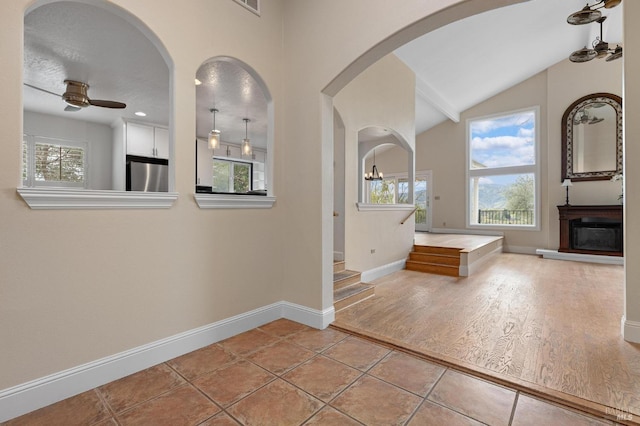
column 456, row 66
column 469, row 61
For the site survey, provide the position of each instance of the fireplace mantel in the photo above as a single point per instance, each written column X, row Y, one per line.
column 611, row 214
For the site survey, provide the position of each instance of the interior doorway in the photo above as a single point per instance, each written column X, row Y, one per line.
column 422, row 198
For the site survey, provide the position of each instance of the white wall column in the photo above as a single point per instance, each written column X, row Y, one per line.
column 631, row 108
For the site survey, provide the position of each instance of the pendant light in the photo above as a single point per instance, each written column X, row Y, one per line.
column 214, row 135
column 373, row 174
column 246, row 143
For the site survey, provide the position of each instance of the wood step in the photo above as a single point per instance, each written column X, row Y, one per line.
column 338, row 266
column 439, row 259
column 345, row 278
column 449, row 251
column 351, row 295
column 432, row 268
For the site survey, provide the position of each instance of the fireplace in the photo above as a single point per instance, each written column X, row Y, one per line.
column 591, row 229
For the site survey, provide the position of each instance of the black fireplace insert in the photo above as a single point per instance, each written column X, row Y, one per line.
column 595, row 233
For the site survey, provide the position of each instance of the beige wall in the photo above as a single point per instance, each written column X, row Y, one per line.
column 442, row 149
column 77, row 286
column 382, row 96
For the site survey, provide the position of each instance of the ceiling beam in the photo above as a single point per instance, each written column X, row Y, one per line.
column 431, row 95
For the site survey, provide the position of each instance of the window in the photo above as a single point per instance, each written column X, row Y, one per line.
column 381, row 191
column 252, row 5
column 53, row 162
column 503, row 170
column 232, row 176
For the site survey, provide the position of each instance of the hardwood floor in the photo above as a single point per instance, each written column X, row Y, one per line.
column 549, row 326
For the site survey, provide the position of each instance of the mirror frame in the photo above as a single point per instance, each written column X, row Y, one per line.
column 567, row 138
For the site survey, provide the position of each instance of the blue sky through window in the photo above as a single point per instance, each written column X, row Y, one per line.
column 503, row 141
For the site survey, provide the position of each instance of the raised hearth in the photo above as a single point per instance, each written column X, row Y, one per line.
column 591, row 229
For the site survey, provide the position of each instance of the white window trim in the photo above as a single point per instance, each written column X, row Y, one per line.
column 535, row 169
column 71, row 199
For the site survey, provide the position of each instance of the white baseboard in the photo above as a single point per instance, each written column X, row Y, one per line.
column 30, row 396
column 519, row 249
column 630, row 330
column 578, row 257
column 381, row 271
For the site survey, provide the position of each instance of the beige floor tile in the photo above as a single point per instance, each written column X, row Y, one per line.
column 317, row 340
column 322, row 377
column 475, row 398
column 531, row 411
column 84, row 409
column 357, row 353
column 202, row 361
column 140, row 387
column 220, row 419
column 233, row 382
column 408, row 372
column 283, row 327
column 374, row 402
column 248, row 342
column 278, row 403
column 281, row 357
column 331, row 417
column 433, row 414
column 181, row 406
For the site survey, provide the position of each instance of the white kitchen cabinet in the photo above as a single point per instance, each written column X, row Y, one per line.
column 147, row 141
column 204, row 165
column 161, row 141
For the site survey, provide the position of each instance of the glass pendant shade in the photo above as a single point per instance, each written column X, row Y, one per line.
column 246, row 143
column 214, row 139
column 246, row 147
column 214, row 135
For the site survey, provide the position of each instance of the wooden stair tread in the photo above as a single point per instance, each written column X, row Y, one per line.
column 440, row 259
column 445, row 251
column 433, row 268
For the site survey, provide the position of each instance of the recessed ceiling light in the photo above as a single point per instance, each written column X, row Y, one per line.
column 198, row 82
column 140, row 114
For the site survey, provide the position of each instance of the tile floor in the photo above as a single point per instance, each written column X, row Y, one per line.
column 284, row 373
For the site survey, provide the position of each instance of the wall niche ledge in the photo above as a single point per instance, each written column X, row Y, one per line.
column 366, row 207
column 74, row 199
column 233, row 201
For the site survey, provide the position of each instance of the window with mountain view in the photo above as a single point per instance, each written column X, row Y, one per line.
column 503, row 170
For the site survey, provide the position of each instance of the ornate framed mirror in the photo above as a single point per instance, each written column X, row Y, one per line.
column 592, row 138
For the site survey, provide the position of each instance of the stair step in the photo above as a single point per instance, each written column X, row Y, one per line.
column 439, row 259
column 345, row 278
column 448, row 251
column 433, row 268
column 338, row 266
column 351, row 295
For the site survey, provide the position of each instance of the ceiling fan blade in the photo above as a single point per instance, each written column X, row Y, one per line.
column 41, row 89
column 107, row 104
column 71, row 108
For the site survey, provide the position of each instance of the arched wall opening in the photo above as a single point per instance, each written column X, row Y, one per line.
column 372, row 55
column 76, row 41
column 236, row 92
